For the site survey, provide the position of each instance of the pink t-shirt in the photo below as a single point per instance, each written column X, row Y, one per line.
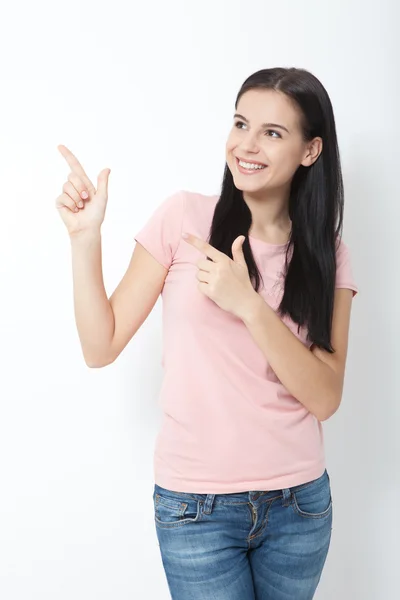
column 229, row 425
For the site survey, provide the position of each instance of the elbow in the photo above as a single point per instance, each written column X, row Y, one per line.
column 324, row 416
column 329, row 409
column 97, row 363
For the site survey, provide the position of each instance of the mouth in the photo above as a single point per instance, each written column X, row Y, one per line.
column 249, row 168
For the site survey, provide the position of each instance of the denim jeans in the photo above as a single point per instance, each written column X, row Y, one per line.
column 255, row 545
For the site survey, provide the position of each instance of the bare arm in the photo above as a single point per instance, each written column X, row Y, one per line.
column 104, row 325
column 93, row 315
column 315, row 377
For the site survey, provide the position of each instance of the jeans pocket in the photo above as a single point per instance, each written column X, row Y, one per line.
column 313, row 500
column 174, row 511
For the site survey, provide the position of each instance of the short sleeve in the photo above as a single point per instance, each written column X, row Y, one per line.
column 344, row 271
column 163, row 230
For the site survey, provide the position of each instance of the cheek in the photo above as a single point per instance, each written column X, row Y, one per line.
column 285, row 167
column 229, row 147
column 232, row 141
column 284, row 157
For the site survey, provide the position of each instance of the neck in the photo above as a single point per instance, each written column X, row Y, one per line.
column 270, row 216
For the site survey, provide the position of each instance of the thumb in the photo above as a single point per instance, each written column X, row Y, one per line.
column 102, row 181
column 237, row 250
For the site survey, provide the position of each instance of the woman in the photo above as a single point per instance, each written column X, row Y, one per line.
column 257, row 289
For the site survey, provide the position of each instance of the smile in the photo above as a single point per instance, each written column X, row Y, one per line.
column 248, row 168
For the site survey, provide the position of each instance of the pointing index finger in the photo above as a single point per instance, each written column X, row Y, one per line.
column 204, row 247
column 75, row 165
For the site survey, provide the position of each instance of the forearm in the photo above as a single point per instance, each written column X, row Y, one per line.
column 305, row 376
column 93, row 313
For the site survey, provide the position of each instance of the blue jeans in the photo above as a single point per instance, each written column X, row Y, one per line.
column 256, row 545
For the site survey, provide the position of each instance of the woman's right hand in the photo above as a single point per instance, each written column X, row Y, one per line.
column 89, row 215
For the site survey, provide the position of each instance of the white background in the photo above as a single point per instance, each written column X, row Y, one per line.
column 148, row 90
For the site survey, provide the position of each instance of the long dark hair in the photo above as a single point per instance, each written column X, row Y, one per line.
column 315, row 209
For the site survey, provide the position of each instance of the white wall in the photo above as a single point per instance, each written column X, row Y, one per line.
column 149, row 92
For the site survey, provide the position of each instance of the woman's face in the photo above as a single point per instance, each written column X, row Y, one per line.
column 256, row 137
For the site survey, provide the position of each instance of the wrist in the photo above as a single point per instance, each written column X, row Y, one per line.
column 85, row 234
column 250, row 309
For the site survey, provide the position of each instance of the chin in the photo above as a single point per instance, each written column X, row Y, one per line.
column 246, row 185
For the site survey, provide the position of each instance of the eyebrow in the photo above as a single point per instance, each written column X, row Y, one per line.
column 236, row 115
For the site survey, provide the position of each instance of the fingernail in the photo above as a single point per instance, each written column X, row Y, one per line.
column 84, row 195
column 80, row 204
column 185, row 235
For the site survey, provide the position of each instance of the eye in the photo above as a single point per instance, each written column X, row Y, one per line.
column 273, row 131
column 239, row 124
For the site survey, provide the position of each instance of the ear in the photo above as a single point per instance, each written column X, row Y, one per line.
column 313, row 151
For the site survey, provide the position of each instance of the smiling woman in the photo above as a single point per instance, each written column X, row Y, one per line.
column 286, row 196
column 257, row 288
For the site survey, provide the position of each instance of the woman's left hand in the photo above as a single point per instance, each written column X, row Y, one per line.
column 223, row 280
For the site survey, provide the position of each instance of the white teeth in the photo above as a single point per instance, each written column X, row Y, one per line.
column 251, row 165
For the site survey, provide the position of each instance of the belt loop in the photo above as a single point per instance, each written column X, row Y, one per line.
column 208, row 504
column 287, row 494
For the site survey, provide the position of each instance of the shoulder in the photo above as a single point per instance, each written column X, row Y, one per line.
column 341, row 247
column 198, row 210
column 342, row 253
column 198, row 203
column 344, row 269
column 189, row 203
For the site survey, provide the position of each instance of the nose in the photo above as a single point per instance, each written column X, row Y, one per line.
column 250, row 143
